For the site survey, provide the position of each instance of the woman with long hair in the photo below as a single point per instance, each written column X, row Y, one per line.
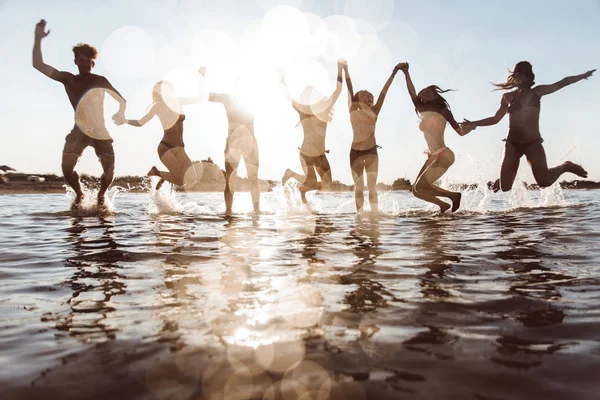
column 363, row 153
column 315, row 113
column 434, row 112
column 524, row 139
column 171, row 149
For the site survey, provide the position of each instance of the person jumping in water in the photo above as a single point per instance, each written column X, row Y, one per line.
column 86, row 93
column 241, row 143
column 363, row 153
column 314, row 116
column 434, row 112
column 524, row 138
column 171, row 149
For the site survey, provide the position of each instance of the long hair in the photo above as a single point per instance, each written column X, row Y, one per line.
column 437, row 103
column 522, row 67
column 361, row 92
column 157, row 91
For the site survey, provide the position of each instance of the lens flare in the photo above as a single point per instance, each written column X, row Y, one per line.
column 128, row 52
column 280, row 356
column 344, row 39
column 379, row 13
column 284, row 31
column 89, row 114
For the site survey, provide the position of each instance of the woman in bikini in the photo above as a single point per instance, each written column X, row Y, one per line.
column 314, row 116
column 167, row 107
column 434, row 113
column 524, row 138
column 363, row 153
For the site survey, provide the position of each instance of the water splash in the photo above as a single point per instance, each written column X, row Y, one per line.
column 89, row 204
column 165, row 201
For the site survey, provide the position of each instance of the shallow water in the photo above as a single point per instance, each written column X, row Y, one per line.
column 165, row 297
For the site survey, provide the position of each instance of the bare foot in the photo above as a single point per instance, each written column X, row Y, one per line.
column 495, row 186
column 456, row 202
column 153, row 172
column 78, row 200
column 160, row 183
column 444, row 208
column 575, row 169
column 286, row 176
column 303, row 190
column 100, row 201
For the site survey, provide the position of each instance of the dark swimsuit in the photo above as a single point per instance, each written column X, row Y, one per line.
column 534, row 101
column 177, row 131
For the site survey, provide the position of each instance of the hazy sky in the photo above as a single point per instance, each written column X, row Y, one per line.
column 462, row 45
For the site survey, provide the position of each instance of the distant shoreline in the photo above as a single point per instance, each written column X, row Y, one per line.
column 25, row 187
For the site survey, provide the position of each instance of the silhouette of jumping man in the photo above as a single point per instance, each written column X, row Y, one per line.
column 86, row 94
column 241, row 143
column 434, row 112
column 171, row 149
column 524, row 139
column 315, row 112
column 363, row 154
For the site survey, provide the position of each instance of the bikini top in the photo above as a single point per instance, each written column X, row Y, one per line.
column 533, row 101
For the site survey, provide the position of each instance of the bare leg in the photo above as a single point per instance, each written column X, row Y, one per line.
column 544, row 176
column 433, row 169
column 254, row 187
column 510, row 166
column 372, row 167
column 69, row 160
column 108, row 166
column 359, row 183
column 230, row 176
column 291, row 174
column 426, row 193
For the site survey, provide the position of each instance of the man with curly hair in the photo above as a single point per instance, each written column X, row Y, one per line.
column 86, row 93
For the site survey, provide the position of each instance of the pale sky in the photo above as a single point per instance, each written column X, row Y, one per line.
column 463, row 45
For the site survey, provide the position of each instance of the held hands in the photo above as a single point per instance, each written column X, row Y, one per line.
column 403, row 66
column 466, row 126
column 342, row 64
column 40, row 29
column 202, row 70
column 119, row 118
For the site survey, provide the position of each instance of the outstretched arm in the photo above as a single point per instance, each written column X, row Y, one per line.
column 216, row 97
column 142, row 121
column 468, row 126
column 386, row 87
column 349, row 85
column 38, row 60
column 338, row 86
column 543, row 90
column 410, row 86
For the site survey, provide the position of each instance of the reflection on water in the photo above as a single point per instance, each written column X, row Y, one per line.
column 289, row 305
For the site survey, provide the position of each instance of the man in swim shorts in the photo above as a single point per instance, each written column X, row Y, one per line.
column 86, row 93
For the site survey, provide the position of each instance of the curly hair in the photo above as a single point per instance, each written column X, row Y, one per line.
column 85, row 49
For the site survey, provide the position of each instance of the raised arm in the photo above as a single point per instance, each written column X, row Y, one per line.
column 386, row 87
column 410, row 86
column 38, row 60
column 349, row 85
column 338, row 86
column 543, row 90
column 142, row 121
